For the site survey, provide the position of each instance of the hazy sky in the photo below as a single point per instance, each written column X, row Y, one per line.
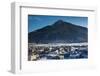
column 38, row 21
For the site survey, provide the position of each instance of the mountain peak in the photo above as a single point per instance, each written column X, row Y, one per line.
column 59, row 22
column 62, row 23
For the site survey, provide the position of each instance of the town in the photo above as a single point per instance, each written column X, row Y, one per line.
column 57, row 51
